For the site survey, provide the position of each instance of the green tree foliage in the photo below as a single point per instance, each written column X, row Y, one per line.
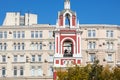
column 90, row 72
column 116, row 73
column 106, row 74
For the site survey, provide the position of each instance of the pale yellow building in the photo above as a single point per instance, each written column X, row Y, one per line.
column 27, row 48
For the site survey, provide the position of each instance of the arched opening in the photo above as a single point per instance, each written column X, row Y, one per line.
column 67, row 20
column 68, row 48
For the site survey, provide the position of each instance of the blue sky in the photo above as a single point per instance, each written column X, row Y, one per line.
column 88, row 11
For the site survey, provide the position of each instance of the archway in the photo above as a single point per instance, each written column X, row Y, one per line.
column 68, row 48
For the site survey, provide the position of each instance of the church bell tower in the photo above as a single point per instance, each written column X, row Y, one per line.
column 67, row 39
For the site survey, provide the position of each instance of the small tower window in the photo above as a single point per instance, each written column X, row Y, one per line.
column 68, row 48
column 67, row 20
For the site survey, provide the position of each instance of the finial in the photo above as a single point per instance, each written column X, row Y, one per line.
column 67, row 4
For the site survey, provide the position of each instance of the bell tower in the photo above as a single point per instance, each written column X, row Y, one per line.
column 67, row 39
column 67, row 17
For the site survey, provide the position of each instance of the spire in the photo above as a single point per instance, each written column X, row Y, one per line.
column 67, row 4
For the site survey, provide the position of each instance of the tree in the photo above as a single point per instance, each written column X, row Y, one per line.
column 116, row 73
column 106, row 73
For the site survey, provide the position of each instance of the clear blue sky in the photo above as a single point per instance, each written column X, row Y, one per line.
column 88, row 11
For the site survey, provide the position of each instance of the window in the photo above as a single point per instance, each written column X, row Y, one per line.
column 109, row 45
column 18, row 46
column 39, row 58
column 5, row 34
column 23, row 34
column 5, row 46
column 50, row 71
column 109, row 33
column 14, row 34
column 39, row 71
column 109, row 57
column 23, row 46
column 21, row 71
column 15, row 48
column 22, row 20
column 50, row 45
column 54, row 45
column 40, row 45
column 91, row 45
column 22, row 59
column 18, row 34
column 92, row 57
column 33, row 58
column 68, row 49
column 32, row 34
column 36, row 34
column 40, row 34
column 15, row 71
column 0, row 46
column 91, row 33
column 50, row 34
column 15, row 58
column 3, row 58
column 51, row 58
column 32, row 71
column 1, row 34
column 3, row 71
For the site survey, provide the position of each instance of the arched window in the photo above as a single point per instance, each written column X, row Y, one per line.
column 67, row 20
column 68, row 48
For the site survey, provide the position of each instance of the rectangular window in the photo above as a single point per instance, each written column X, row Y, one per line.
column 36, row 34
column 3, row 58
column 1, row 34
column 15, row 58
column 32, row 71
column 33, row 58
column 91, row 45
column 40, row 34
column 5, row 46
column 40, row 73
column 15, row 46
column 91, row 33
column 109, row 33
column 109, row 45
column 3, row 71
column 23, row 34
column 40, row 46
column 5, row 34
column 50, row 45
column 50, row 34
column 14, row 34
column 18, row 46
column 32, row 34
column 54, row 45
column 15, row 71
column 92, row 57
column 39, row 58
column 51, row 58
column 50, row 71
column 109, row 57
column 23, row 46
column 18, row 34
column 21, row 71
column 22, row 59
column 0, row 46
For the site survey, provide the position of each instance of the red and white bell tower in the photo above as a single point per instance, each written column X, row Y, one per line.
column 67, row 39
